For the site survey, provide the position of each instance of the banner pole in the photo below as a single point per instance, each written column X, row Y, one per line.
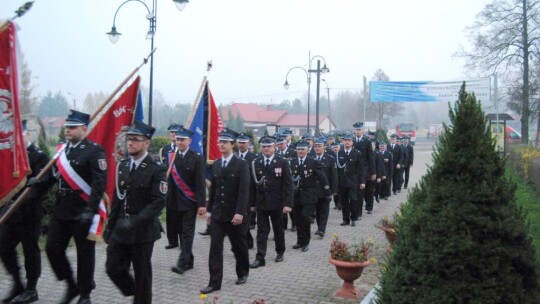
column 189, row 120
column 49, row 165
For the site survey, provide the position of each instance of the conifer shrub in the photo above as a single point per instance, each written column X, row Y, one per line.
column 462, row 238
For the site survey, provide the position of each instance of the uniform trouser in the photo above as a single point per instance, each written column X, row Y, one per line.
column 321, row 213
column 263, row 229
column 186, row 229
column 396, row 178
column 401, row 179
column 337, row 202
column 237, row 237
column 285, row 219
column 378, row 190
column 303, row 215
column 27, row 234
column 368, row 194
column 385, row 188
column 119, row 259
column 172, row 223
column 253, row 218
column 60, row 232
column 349, row 203
column 406, row 170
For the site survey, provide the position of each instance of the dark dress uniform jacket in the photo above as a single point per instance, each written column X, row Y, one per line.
column 312, row 177
column 229, row 191
column 276, row 191
column 397, row 154
column 379, row 164
column 145, row 189
column 85, row 159
column 164, row 153
column 329, row 167
column 388, row 162
column 249, row 157
column 288, row 154
column 368, row 159
column 31, row 210
column 410, row 154
column 352, row 174
column 191, row 169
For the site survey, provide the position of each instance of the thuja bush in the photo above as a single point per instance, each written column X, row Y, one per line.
column 461, row 238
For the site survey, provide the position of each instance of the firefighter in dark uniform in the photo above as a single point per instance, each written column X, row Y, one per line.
column 322, row 209
column 171, row 222
column 410, row 160
column 363, row 144
column 134, row 221
column 272, row 181
column 389, row 167
column 72, row 216
column 336, row 146
column 397, row 158
column 309, row 139
column 228, row 212
column 405, row 154
column 308, row 176
column 381, row 172
column 351, row 181
column 288, row 154
column 24, row 227
column 187, row 196
column 243, row 142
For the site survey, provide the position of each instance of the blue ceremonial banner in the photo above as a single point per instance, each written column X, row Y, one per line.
column 139, row 114
column 427, row 91
column 198, row 127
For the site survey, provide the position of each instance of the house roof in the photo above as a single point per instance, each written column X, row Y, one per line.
column 299, row 120
column 53, row 122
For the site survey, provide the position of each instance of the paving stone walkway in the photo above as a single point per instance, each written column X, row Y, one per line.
column 302, row 278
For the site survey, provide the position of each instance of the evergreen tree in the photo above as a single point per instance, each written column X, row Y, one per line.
column 462, row 238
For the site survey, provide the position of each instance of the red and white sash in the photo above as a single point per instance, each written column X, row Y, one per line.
column 76, row 182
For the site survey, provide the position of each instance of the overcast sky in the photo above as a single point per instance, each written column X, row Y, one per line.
column 252, row 43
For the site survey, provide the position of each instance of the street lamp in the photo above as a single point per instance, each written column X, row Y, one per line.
column 69, row 93
column 114, row 35
column 318, row 71
column 286, row 85
column 328, row 99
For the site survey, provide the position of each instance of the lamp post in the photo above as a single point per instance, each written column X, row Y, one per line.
column 114, row 35
column 318, row 71
column 328, row 99
column 286, row 85
column 74, row 108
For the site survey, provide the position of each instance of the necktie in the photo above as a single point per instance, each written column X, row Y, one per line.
column 347, row 152
column 267, row 163
column 318, row 158
column 224, row 164
column 301, row 162
column 180, row 155
column 242, row 156
column 133, row 166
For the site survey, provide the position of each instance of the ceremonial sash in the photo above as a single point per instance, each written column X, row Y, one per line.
column 182, row 186
column 76, row 182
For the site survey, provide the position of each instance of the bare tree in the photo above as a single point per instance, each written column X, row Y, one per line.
column 505, row 37
column 28, row 102
column 382, row 111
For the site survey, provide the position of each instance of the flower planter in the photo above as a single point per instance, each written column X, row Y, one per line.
column 390, row 234
column 349, row 271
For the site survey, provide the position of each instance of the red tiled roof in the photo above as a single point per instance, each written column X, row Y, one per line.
column 299, row 120
column 252, row 113
column 53, row 122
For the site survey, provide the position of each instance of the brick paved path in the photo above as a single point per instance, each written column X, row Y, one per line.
column 301, row 278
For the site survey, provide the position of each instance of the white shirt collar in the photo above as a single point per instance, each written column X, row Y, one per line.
column 228, row 159
column 269, row 158
column 183, row 153
column 138, row 161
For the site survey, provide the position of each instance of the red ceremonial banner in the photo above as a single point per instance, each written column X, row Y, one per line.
column 110, row 129
column 15, row 165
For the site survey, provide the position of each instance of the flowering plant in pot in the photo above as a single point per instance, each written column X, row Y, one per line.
column 350, row 261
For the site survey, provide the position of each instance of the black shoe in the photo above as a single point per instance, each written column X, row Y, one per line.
column 84, row 300
column 395, row 193
column 377, row 200
column 319, row 233
column 28, row 296
column 369, row 212
column 353, row 223
column 385, row 198
column 15, row 292
column 204, row 232
column 279, row 258
column 405, row 187
column 241, row 280
column 181, row 269
column 257, row 264
column 338, row 207
column 71, row 293
column 399, row 191
column 296, row 246
column 305, row 248
column 344, row 224
column 171, row 246
column 293, row 228
column 250, row 246
column 209, row 289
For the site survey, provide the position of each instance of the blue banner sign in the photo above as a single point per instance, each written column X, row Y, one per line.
column 427, row 91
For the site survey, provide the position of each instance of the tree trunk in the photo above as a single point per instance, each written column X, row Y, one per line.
column 525, row 111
